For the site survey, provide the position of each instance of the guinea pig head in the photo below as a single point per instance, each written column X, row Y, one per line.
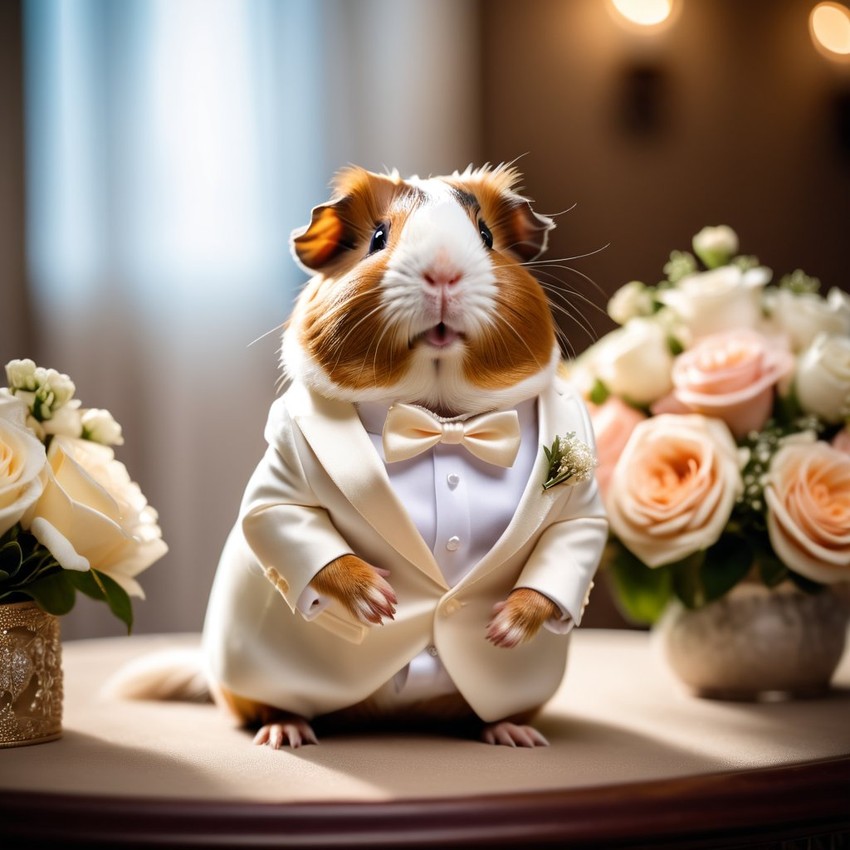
column 420, row 293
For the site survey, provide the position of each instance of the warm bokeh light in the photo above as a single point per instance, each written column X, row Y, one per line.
column 830, row 27
column 645, row 13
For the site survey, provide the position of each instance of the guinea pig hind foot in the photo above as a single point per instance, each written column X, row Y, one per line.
column 509, row 734
column 291, row 729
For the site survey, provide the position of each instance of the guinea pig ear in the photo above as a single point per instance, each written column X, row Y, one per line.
column 359, row 202
column 520, row 230
column 528, row 231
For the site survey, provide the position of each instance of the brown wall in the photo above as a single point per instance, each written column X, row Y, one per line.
column 729, row 116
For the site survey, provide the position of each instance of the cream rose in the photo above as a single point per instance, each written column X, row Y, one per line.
column 803, row 316
column 92, row 514
column 808, row 518
column 717, row 300
column 731, row 376
column 22, row 463
column 823, row 378
column 674, row 487
column 613, row 423
column 633, row 361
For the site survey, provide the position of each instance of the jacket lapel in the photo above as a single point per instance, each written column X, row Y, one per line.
column 555, row 413
column 342, row 446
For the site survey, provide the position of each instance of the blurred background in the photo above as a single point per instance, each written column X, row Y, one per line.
column 157, row 153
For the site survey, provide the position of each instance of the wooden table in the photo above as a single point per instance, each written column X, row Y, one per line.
column 634, row 763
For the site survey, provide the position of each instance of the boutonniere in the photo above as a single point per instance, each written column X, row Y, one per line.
column 570, row 461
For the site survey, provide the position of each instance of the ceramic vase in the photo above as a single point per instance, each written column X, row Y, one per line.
column 758, row 643
column 30, row 675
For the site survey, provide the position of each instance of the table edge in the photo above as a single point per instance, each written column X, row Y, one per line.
column 694, row 811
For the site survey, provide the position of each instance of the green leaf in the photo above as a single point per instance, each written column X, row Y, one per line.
column 687, row 580
column 599, row 392
column 101, row 587
column 805, row 584
column 641, row 592
column 53, row 593
column 726, row 563
column 771, row 570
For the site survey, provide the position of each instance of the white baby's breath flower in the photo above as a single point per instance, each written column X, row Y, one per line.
column 100, row 427
column 571, row 461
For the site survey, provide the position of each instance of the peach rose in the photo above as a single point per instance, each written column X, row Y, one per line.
column 613, row 423
column 731, row 376
column 841, row 440
column 674, row 487
column 808, row 518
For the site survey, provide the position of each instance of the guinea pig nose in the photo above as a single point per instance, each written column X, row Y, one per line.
column 439, row 278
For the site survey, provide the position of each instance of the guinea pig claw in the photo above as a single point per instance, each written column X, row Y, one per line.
column 293, row 730
column 512, row 735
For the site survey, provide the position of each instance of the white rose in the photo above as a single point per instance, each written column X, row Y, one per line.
column 802, row 316
column 92, row 514
column 674, row 487
column 717, row 300
column 22, row 464
column 716, row 246
column 823, row 378
column 629, row 302
column 634, row 361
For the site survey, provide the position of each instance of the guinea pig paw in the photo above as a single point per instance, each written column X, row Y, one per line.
column 504, row 631
column 377, row 603
column 293, row 730
column 508, row 734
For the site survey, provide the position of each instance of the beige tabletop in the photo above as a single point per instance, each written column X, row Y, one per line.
column 618, row 721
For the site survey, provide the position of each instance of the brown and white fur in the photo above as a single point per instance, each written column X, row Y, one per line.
column 420, row 294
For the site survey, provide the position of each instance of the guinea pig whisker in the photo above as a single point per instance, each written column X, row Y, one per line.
column 267, row 333
column 551, row 261
column 568, row 297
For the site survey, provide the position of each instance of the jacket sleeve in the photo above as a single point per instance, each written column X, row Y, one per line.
column 567, row 554
column 289, row 532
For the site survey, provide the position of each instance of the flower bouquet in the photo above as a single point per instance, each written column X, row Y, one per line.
column 71, row 519
column 721, row 406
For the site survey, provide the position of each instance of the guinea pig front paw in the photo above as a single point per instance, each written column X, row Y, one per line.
column 361, row 588
column 518, row 618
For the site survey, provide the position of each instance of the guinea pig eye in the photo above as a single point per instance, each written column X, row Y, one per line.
column 486, row 235
column 379, row 238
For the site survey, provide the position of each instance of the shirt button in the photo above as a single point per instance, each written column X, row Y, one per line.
column 453, row 543
column 453, row 480
column 432, row 651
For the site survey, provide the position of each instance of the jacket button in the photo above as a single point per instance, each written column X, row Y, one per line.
column 452, row 607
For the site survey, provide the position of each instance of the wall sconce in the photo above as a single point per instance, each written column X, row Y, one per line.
column 644, row 14
column 829, row 25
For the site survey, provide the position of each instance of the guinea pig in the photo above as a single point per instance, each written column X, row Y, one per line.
column 396, row 555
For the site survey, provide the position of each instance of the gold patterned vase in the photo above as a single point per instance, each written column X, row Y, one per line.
column 30, row 675
column 758, row 643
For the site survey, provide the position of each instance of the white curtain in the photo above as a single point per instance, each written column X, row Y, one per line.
column 172, row 145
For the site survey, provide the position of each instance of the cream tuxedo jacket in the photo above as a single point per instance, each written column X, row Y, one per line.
column 322, row 491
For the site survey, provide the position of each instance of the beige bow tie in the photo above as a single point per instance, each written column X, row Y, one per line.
column 492, row 437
